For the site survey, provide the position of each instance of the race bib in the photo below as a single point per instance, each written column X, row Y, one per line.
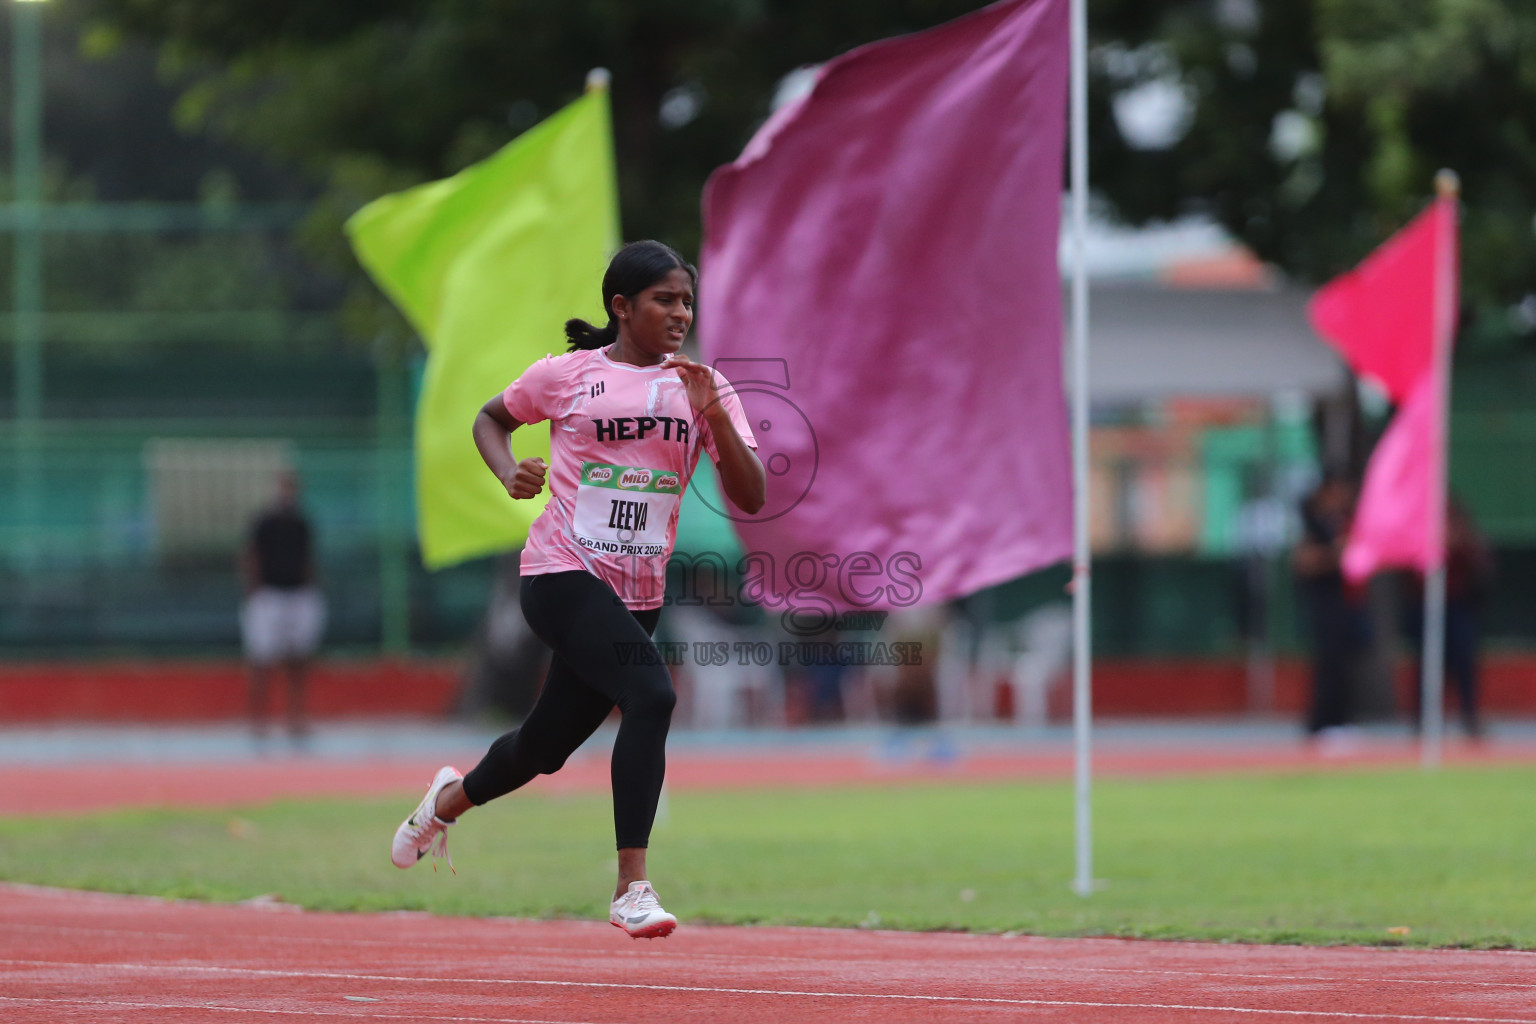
column 624, row 510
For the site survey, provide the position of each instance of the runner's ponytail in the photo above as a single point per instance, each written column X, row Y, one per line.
column 632, row 270
column 581, row 334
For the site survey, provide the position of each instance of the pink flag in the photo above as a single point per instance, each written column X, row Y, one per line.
column 1397, row 514
column 880, row 280
column 1393, row 318
column 1381, row 315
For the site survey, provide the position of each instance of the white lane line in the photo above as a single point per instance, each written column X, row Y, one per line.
column 604, row 954
column 713, row 990
column 1453, row 982
column 359, row 1014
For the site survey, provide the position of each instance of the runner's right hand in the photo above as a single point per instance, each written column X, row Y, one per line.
column 528, row 481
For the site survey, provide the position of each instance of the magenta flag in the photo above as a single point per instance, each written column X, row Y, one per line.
column 1396, row 519
column 880, row 282
column 1393, row 318
column 1381, row 315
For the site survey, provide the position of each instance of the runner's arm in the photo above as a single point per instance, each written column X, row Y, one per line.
column 493, row 437
column 741, row 471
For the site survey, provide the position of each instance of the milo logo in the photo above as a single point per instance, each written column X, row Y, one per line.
column 630, row 478
column 635, row 478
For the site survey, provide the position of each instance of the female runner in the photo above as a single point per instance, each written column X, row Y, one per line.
column 629, row 415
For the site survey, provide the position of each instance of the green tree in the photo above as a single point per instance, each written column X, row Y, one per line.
column 1311, row 129
column 369, row 97
column 1315, row 128
column 108, row 137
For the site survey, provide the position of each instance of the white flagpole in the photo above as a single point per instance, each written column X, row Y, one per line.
column 1432, row 671
column 1082, row 687
column 1432, row 687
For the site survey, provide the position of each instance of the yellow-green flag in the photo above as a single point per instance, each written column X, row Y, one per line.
column 488, row 265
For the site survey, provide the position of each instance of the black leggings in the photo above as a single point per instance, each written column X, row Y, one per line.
column 603, row 657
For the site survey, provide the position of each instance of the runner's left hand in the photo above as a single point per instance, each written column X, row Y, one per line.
column 697, row 378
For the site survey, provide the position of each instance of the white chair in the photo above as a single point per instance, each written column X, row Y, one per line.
column 721, row 692
column 1043, row 653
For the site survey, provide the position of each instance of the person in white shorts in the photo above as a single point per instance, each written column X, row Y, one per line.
column 283, row 617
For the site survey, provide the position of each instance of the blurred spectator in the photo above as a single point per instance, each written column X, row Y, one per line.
column 284, row 615
column 911, row 688
column 1469, row 571
column 826, row 684
column 1337, row 615
column 507, row 660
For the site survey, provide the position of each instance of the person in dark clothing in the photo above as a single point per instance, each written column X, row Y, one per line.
column 284, row 615
column 1337, row 616
column 1469, row 571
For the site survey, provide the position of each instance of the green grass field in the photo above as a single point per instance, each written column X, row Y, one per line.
column 1313, row 858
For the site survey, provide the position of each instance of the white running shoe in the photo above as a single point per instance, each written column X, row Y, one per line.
column 414, row 836
column 640, row 915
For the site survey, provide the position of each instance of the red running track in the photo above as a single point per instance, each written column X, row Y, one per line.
column 90, row 956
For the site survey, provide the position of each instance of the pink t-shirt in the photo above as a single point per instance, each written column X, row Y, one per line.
column 624, row 442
